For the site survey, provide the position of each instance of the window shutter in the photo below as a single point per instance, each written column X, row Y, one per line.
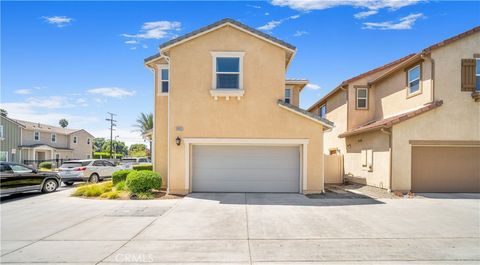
column 468, row 75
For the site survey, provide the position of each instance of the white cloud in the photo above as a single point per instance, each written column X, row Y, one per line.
column 133, row 48
column 254, row 6
column 114, row 92
column 275, row 23
column 299, row 33
column 313, row 86
column 402, row 24
column 81, row 102
column 59, row 21
column 23, row 91
column 267, row 14
column 145, row 46
column 131, row 42
column 47, row 110
column 308, row 5
column 365, row 14
column 156, row 30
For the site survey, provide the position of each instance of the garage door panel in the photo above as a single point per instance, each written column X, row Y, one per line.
column 445, row 169
column 245, row 168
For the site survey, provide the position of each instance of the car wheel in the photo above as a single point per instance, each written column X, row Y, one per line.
column 68, row 183
column 50, row 185
column 93, row 178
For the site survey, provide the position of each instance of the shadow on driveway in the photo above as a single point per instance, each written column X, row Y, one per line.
column 288, row 199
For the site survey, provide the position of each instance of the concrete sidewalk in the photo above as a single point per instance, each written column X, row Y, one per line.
column 240, row 228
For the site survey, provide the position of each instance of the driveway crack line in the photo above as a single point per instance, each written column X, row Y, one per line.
column 248, row 232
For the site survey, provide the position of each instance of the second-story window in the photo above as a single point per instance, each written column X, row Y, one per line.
column 74, row 139
column 54, row 138
column 413, row 79
column 88, row 140
column 362, row 98
column 323, row 111
column 288, row 95
column 164, row 77
column 36, row 135
column 227, row 70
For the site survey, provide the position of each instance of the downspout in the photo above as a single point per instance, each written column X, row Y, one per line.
column 389, row 133
column 167, row 58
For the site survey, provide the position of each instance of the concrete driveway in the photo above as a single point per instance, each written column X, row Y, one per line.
column 241, row 228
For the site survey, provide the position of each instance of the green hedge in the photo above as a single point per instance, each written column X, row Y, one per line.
column 119, row 176
column 143, row 167
column 47, row 165
column 143, row 181
column 98, row 155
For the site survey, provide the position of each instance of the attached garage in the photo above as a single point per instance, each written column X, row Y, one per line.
column 246, row 168
column 446, row 168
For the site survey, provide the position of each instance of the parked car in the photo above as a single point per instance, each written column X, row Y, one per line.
column 89, row 170
column 17, row 178
column 129, row 162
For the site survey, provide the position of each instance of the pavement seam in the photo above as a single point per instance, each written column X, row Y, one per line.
column 147, row 226
column 248, row 231
column 61, row 230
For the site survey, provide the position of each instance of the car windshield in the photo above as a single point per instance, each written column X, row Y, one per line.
column 129, row 160
column 20, row 169
column 73, row 164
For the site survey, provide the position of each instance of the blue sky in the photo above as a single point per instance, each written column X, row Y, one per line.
column 79, row 60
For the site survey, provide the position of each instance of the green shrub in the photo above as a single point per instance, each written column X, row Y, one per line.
column 104, row 155
column 46, row 165
column 144, row 196
column 121, row 186
column 110, row 195
column 120, row 176
column 143, row 181
column 93, row 190
column 143, row 167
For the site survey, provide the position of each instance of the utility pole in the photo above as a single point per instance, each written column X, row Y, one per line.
column 112, row 124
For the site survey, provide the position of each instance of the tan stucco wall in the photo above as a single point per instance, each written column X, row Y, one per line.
column 378, row 142
column 81, row 149
column 457, row 119
column 160, row 133
column 256, row 115
column 45, row 138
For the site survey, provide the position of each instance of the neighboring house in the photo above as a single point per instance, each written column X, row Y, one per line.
column 414, row 124
column 45, row 142
column 225, row 118
column 10, row 139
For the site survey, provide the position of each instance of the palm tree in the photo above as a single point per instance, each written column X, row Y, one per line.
column 144, row 122
column 63, row 123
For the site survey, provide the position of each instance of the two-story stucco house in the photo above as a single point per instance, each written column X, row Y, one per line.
column 227, row 120
column 42, row 142
column 413, row 124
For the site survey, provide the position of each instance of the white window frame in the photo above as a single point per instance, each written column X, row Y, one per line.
column 477, row 74
column 357, row 97
column 75, row 140
column 160, row 67
column 289, row 95
column 35, row 134
column 320, row 110
column 2, row 135
column 52, row 138
column 230, row 92
column 409, row 92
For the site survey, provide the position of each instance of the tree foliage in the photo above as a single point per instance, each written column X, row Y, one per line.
column 63, row 123
column 144, row 122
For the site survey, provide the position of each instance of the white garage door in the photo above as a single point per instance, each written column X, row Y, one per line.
column 245, row 168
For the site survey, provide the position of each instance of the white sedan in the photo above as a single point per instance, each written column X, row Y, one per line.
column 90, row 170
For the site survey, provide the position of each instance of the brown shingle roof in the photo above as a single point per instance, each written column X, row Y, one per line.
column 388, row 122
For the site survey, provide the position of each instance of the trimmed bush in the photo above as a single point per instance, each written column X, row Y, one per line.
column 121, row 186
column 143, row 167
column 119, row 176
column 46, row 165
column 143, row 181
column 105, row 155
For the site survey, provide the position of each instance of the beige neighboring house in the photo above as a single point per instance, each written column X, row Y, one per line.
column 414, row 124
column 46, row 142
column 227, row 120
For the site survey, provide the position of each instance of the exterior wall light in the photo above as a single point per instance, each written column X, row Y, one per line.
column 178, row 140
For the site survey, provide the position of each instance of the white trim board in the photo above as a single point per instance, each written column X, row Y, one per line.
column 302, row 143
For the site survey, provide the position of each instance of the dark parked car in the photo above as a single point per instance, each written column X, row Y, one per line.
column 16, row 178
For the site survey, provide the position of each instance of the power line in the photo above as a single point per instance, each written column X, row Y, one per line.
column 112, row 124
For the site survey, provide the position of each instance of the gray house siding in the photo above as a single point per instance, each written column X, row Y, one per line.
column 9, row 144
